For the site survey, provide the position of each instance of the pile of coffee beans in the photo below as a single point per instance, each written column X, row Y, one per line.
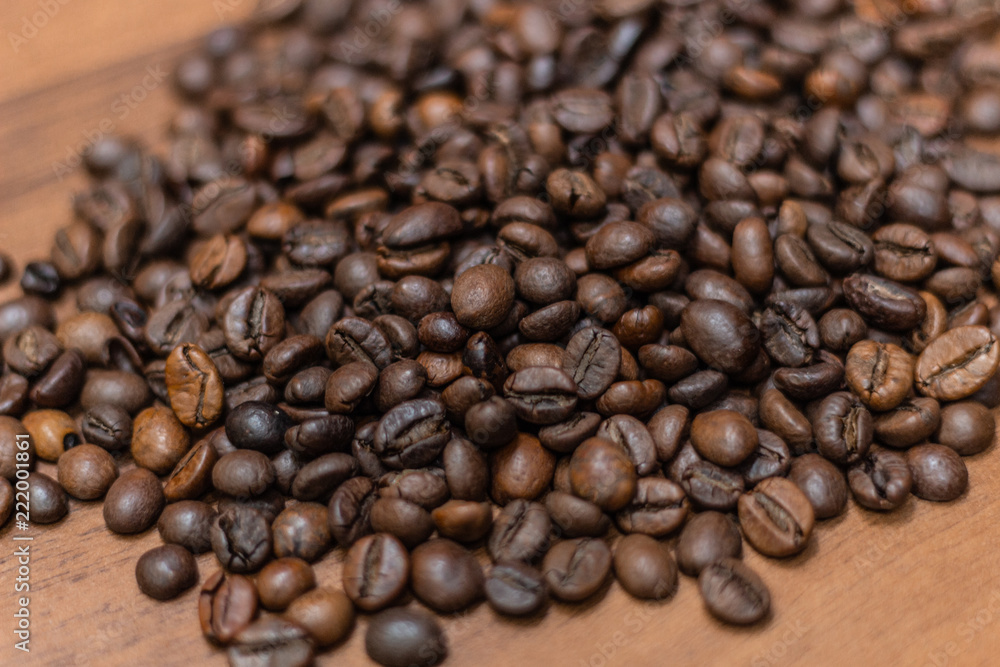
column 498, row 300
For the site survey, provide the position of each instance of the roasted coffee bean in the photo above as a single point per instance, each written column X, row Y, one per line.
column 31, row 351
column 241, row 539
column 159, row 440
column 658, row 508
column 87, row 472
column 593, row 360
column 880, row 374
column 541, row 394
column 733, row 592
column 521, row 469
column 707, row 538
column 60, row 385
column 911, row 422
column 243, row 473
column 644, row 567
column 194, row 386
column 711, row 487
column 576, row 569
column 318, row 479
column 226, row 605
column 52, row 433
column 720, row 334
column 465, row 470
column 350, row 510
column 326, row 614
column 445, row 576
column 283, row 580
column 257, row 425
column 601, row 472
column 772, row 458
column 822, row 483
column 938, row 472
column 515, row 589
column 842, row 428
column 776, row 517
column 412, row 434
column 302, row 531
column 724, row 437
column 881, row 480
column 883, row 303
column 967, row 427
column 134, row 502
column 957, row 363
column 13, row 394
column 192, row 476
column 189, row 524
column 409, row 522
column 271, row 640
column 521, row 532
column 166, row 571
column 403, row 637
column 253, row 323
column 47, row 501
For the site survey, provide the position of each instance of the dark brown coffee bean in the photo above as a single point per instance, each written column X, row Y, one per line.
column 658, row 508
column 87, row 472
column 881, row 480
column 515, row 589
column 226, row 605
column 720, row 334
column 192, row 475
column 576, row 569
column 521, row 532
column 776, row 517
column 521, row 469
column 47, row 501
column 707, row 538
column 880, row 374
column 187, row 523
column 326, row 614
column 938, row 472
column 283, row 580
column 350, row 510
column 601, row 472
column 967, row 427
column 733, row 592
column 822, row 483
column 134, row 502
column 241, row 539
column 403, row 637
column 645, row 568
column 271, row 640
column 883, row 303
column 446, row 576
column 724, row 437
column 166, row 571
column 957, row 363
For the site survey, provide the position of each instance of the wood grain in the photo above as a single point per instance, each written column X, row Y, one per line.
column 918, row 587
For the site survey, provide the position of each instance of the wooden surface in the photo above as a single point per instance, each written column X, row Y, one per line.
column 918, row 587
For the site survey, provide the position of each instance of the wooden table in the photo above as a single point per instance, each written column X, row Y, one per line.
column 920, row 586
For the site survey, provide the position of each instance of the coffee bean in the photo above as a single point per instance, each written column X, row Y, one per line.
column 165, row 572
column 707, row 538
column 645, row 568
column 658, row 508
column 520, row 532
column 957, row 363
column 283, row 580
column 192, row 475
column 187, row 523
column 87, row 472
column 446, row 576
column 576, row 569
column 52, row 433
column 822, row 483
column 226, row 605
column 884, row 303
column 733, row 592
column 881, row 480
column 966, row 426
column 194, row 386
column 241, row 539
column 134, row 502
column 271, row 640
column 938, row 472
column 720, row 334
column 243, row 473
column 47, row 500
column 257, row 425
column 515, row 589
column 521, row 469
column 326, row 614
column 776, row 517
column 159, row 440
column 880, row 374
column 724, row 437
column 412, row 434
column 402, row 637
column 302, row 531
